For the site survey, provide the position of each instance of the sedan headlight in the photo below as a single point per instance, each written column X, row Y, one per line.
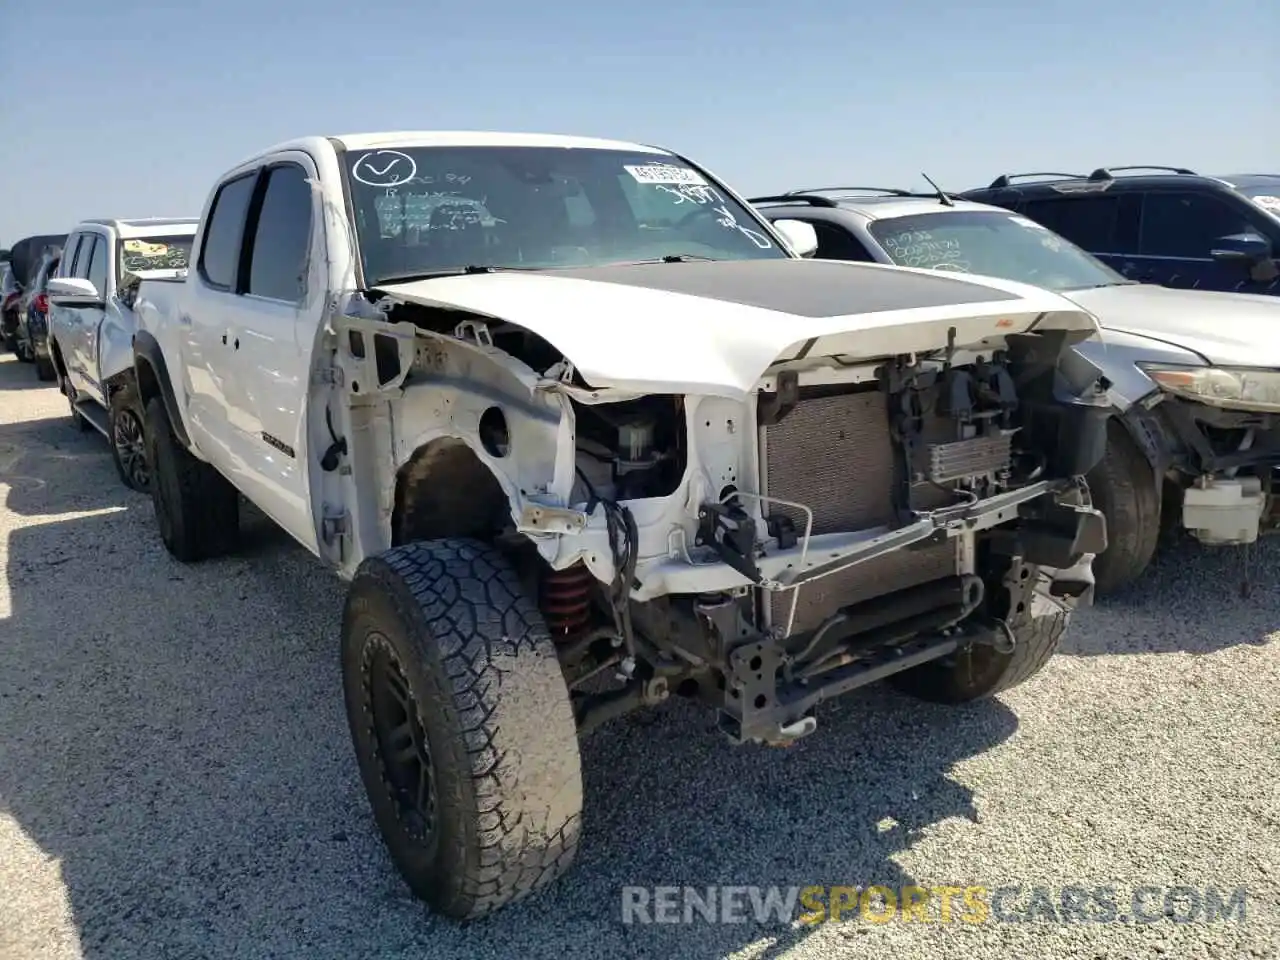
column 1235, row 388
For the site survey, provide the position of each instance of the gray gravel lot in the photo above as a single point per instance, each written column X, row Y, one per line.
column 176, row 778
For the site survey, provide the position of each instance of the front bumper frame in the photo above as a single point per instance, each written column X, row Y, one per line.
column 782, row 563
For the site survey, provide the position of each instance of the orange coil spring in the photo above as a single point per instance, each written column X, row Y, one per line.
column 566, row 598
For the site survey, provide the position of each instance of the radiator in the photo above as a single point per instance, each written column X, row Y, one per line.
column 834, row 455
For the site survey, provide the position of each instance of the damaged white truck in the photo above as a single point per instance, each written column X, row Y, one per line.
column 583, row 431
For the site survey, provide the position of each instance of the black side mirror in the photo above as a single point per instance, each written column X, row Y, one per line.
column 1247, row 248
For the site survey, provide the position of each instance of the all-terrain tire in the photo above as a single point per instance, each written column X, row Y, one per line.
column 126, row 432
column 483, row 690
column 1123, row 486
column 981, row 670
column 197, row 510
column 45, row 370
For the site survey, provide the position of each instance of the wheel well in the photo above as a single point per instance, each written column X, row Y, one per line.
column 148, row 382
column 445, row 490
column 55, row 352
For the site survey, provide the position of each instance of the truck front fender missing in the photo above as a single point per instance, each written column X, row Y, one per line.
column 153, row 381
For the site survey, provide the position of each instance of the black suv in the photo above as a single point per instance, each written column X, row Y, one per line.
column 1165, row 225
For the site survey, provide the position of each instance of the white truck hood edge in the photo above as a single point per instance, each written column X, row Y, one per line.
column 1230, row 329
column 631, row 329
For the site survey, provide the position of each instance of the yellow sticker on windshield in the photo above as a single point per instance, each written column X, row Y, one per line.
column 146, row 249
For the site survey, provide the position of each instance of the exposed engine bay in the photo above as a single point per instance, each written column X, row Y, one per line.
column 850, row 523
column 923, row 439
column 632, row 450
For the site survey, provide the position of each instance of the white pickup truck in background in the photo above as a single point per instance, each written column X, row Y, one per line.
column 92, row 325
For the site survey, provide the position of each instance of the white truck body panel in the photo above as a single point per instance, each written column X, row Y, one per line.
column 292, row 372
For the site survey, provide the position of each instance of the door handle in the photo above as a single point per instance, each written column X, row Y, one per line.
column 224, row 339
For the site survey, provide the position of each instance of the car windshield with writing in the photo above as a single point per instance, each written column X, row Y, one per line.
column 139, row 255
column 437, row 210
column 994, row 244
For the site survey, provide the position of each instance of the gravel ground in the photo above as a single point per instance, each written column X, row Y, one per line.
column 176, row 779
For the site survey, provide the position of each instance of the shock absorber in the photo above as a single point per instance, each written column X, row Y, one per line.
column 566, row 598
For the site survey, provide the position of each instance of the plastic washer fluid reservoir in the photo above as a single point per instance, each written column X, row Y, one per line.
column 1224, row 511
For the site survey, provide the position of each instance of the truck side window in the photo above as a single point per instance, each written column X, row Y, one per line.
column 282, row 236
column 837, row 243
column 98, row 265
column 67, row 264
column 87, row 243
column 220, row 251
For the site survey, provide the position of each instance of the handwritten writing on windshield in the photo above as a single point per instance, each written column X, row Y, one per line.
column 432, row 210
column 920, row 248
column 142, row 255
column 704, row 195
column 384, row 168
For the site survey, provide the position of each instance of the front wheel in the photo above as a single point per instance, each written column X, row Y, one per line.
column 462, row 725
column 45, row 370
column 985, row 669
column 127, row 434
column 1124, row 487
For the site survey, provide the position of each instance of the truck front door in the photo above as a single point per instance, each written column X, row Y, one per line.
column 78, row 323
column 283, row 302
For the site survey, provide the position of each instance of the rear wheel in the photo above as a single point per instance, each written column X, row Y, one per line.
column 45, row 370
column 1123, row 486
column 462, row 725
column 128, row 438
column 197, row 510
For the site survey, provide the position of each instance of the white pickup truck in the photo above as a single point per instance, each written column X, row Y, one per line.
column 92, row 324
column 583, row 430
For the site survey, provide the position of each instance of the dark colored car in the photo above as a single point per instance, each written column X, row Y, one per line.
column 26, row 257
column 1165, row 225
column 33, row 325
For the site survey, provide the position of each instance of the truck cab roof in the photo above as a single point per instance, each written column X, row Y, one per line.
column 138, row 227
column 390, row 139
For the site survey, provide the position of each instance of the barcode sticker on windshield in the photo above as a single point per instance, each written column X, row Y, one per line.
column 1023, row 221
column 664, row 173
column 1267, row 202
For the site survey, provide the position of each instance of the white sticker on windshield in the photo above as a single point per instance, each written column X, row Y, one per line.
column 1267, row 202
column 1023, row 221
column 663, row 173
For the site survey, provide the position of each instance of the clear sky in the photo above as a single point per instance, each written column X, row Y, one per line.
column 127, row 109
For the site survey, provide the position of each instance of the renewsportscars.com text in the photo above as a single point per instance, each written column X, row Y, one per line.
column 969, row 904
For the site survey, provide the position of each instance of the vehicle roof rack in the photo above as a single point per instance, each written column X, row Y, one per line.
column 1006, row 179
column 1105, row 173
column 887, row 191
column 814, row 201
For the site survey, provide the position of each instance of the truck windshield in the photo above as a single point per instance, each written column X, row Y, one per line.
column 992, row 243
column 140, row 254
column 428, row 210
